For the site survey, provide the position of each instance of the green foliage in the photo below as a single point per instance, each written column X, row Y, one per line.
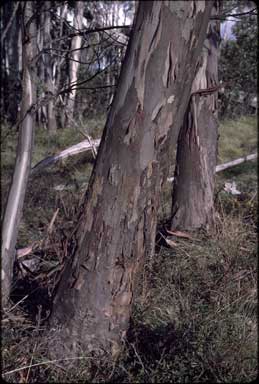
column 238, row 63
column 238, row 67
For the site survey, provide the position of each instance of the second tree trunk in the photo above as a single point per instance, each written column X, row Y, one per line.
column 193, row 189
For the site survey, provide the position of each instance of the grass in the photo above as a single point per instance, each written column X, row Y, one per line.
column 237, row 138
column 195, row 313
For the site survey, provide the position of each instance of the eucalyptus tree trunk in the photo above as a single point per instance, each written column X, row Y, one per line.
column 16, row 195
column 42, row 89
column 59, row 62
column 116, row 228
column 48, row 64
column 193, row 188
column 75, row 56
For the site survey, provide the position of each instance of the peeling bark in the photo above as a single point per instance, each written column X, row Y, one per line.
column 16, row 195
column 116, row 229
column 193, row 189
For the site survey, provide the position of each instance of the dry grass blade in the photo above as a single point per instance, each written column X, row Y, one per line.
column 19, row 302
column 44, row 363
column 179, row 234
column 51, row 224
column 24, row 251
column 35, row 345
column 171, row 243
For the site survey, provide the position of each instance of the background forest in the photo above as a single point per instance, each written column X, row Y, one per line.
column 194, row 316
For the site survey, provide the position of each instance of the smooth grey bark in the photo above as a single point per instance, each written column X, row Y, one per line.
column 75, row 56
column 193, row 188
column 51, row 115
column 13, row 211
column 116, row 228
column 42, row 89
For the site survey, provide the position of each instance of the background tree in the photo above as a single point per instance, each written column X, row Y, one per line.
column 238, row 61
column 116, row 230
column 69, row 56
column 75, row 55
column 48, row 66
column 10, row 60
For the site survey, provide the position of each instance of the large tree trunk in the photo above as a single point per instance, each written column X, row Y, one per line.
column 75, row 56
column 193, row 189
column 16, row 195
column 116, row 230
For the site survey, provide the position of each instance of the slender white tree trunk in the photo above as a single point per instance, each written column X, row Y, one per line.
column 13, row 211
column 51, row 115
column 193, row 189
column 75, row 56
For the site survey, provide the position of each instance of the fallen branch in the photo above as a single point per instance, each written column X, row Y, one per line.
column 89, row 145
column 230, row 164
column 83, row 146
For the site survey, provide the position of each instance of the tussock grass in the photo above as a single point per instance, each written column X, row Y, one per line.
column 199, row 322
column 194, row 319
